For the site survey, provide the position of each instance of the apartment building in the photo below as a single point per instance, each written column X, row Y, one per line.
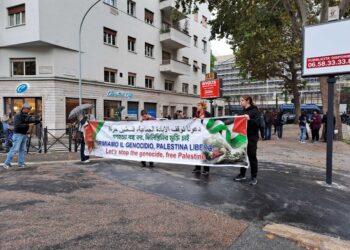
column 266, row 93
column 137, row 54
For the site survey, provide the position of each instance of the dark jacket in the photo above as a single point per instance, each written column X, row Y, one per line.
column 302, row 121
column 206, row 114
column 268, row 119
column 22, row 121
column 253, row 122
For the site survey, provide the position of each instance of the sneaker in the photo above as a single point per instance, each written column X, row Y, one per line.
column 6, row 166
column 206, row 173
column 196, row 171
column 239, row 177
column 22, row 166
column 253, row 181
column 86, row 161
column 151, row 165
column 143, row 164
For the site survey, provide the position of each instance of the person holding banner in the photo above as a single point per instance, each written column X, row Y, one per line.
column 146, row 117
column 253, row 115
column 202, row 113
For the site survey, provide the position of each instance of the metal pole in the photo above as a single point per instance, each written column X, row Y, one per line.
column 81, row 25
column 330, row 128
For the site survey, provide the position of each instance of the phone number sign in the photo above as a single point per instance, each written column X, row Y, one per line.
column 328, row 61
column 210, row 89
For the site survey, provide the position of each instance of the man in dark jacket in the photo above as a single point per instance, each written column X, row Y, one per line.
column 21, row 127
column 268, row 124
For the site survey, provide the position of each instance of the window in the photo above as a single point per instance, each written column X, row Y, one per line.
column 195, row 89
column 109, row 36
column 131, row 8
column 204, row 21
column 169, row 85
column 149, row 82
column 149, row 16
column 23, row 67
column 185, row 88
column 185, row 60
column 195, row 17
column 204, row 45
column 131, row 43
column 110, row 75
column 195, row 41
column 111, row 2
column 17, row 15
column 204, row 68
column 195, row 66
column 149, row 50
column 131, row 79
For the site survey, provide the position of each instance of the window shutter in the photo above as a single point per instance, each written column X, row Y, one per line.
column 109, row 31
column 148, row 15
column 16, row 9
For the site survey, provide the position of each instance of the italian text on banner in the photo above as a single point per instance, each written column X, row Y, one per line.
column 217, row 142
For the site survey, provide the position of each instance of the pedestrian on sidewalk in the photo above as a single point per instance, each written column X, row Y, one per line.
column 262, row 126
column 324, row 121
column 146, row 117
column 86, row 117
column 202, row 113
column 279, row 124
column 268, row 124
column 315, row 125
column 302, row 127
column 22, row 122
column 253, row 115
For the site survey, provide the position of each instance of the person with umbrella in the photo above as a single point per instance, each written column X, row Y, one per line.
column 83, row 113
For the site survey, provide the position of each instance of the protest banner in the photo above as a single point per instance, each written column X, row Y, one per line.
column 214, row 142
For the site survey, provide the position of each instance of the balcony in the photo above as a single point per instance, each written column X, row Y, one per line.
column 175, row 68
column 172, row 38
column 168, row 8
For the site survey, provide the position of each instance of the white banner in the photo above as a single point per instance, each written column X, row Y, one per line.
column 208, row 142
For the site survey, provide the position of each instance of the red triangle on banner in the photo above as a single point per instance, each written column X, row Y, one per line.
column 240, row 125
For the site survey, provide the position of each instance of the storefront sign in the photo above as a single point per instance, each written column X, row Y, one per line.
column 22, row 88
column 210, row 89
column 214, row 142
column 112, row 93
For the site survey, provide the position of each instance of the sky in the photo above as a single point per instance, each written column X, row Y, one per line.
column 220, row 47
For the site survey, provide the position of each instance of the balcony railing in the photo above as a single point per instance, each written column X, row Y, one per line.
column 174, row 38
column 175, row 67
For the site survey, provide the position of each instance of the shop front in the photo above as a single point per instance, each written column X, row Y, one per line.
column 12, row 105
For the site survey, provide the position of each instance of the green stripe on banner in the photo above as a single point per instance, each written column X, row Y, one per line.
column 100, row 125
column 217, row 126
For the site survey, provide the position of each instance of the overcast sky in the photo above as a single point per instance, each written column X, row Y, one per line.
column 220, row 48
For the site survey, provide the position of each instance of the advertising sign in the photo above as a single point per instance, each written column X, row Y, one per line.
column 210, row 89
column 22, row 88
column 326, row 49
column 210, row 142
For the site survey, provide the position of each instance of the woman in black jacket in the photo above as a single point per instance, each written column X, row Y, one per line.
column 253, row 115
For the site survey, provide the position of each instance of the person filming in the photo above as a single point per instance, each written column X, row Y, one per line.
column 22, row 121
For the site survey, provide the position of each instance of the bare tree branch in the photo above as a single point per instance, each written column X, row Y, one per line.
column 343, row 6
column 295, row 26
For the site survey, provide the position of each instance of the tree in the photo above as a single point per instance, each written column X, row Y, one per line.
column 212, row 61
column 266, row 36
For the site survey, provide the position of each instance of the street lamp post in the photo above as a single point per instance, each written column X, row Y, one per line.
column 81, row 26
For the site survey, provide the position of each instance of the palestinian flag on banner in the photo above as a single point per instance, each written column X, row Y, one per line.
column 234, row 129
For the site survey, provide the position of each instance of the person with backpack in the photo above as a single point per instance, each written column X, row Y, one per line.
column 253, row 115
column 315, row 125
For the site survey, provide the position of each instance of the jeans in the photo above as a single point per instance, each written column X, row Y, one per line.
column 19, row 145
column 302, row 133
column 268, row 133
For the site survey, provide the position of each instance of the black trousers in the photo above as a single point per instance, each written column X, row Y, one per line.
column 315, row 134
column 251, row 151
column 205, row 168
column 83, row 157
